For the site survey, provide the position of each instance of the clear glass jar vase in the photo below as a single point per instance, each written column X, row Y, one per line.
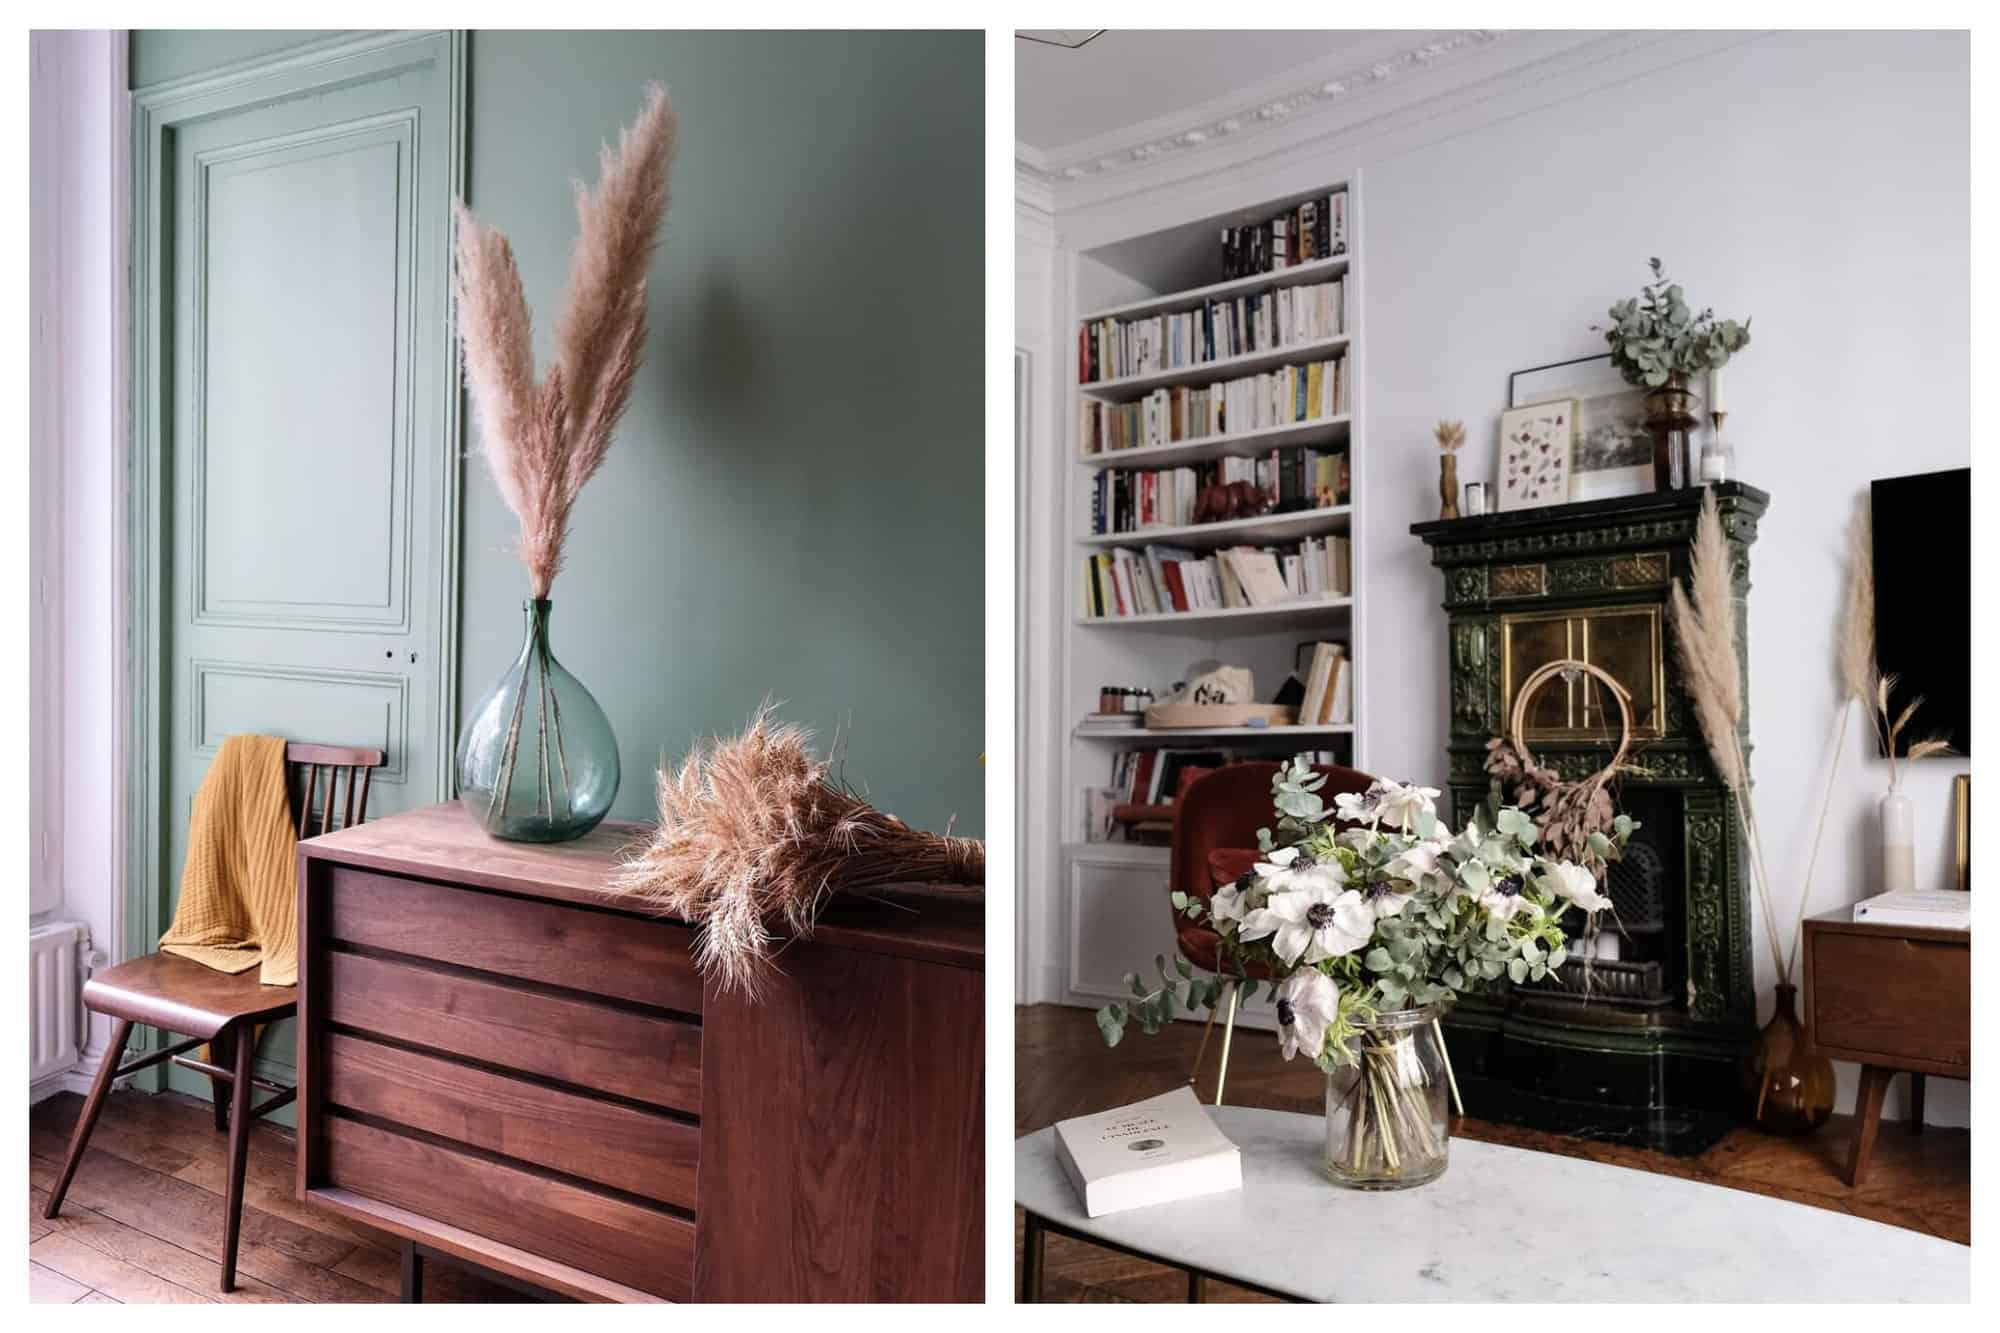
column 1388, row 1111
column 538, row 762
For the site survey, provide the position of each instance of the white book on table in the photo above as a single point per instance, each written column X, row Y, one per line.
column 1156, row 1151
column 1941, row 909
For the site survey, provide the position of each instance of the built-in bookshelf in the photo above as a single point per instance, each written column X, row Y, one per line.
column 1161, row 296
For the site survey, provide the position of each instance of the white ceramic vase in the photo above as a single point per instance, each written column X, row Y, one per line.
column 1899, row 842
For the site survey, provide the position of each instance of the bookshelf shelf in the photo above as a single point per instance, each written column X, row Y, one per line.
column 1305, row 611
column 1229, row 367
column 1166, row 735
column 1319, row 270
column 1242, row 444
column 1235, row 531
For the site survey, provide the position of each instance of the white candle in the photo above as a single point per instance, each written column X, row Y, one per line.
column 1715, row 390
column 1607, row 949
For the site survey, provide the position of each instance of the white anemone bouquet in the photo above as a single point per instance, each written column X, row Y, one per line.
column 1374, row 907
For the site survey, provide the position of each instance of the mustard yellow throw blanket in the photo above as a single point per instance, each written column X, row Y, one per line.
column 237, row 906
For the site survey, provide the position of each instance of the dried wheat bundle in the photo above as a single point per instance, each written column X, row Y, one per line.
column 753, row 831
column 1450, row 435
column 543, row 442
column 1704, row 616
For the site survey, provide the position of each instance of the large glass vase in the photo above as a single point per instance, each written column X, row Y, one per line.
column 538, row 762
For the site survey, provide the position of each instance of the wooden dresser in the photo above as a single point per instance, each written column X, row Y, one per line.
column 1893, row 998
column 501, row 1062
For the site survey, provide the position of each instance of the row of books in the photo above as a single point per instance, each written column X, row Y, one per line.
column 1163, row 580
column 1248, row 403
column 1294, row 478
column 1329, row 687
column 1316, row 229
column 1235, row 326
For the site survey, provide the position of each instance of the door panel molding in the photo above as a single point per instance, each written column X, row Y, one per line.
column 158, row 115
column 390, row 691
column 391, row 609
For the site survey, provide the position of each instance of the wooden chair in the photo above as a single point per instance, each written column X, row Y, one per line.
column 214, row 1008
column 1214, row 841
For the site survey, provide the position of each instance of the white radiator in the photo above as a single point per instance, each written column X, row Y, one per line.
column 55, row 998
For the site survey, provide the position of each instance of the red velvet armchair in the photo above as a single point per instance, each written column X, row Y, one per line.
column 1214, row 842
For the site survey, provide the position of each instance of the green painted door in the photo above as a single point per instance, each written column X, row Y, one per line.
column 309, row 443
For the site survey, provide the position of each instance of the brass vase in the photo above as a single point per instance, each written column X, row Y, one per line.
column 1788, row 1087
column 1670, row 415
column 1448, row 485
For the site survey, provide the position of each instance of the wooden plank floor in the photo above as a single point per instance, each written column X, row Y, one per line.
column 1062, row 1069
column 143, row 1219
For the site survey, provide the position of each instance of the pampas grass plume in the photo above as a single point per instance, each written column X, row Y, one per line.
column 754, row 831
column 543, row 441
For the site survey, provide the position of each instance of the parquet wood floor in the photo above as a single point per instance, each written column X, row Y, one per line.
column 143, row 1220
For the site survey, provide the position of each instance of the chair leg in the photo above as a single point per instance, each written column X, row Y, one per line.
column 221, row 1051
column 107, row 1074
column 1201, row 1051
column 239, row 1148
column 1228, row 1030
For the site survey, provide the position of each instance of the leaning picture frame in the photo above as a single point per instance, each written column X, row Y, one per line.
column 1614, row 453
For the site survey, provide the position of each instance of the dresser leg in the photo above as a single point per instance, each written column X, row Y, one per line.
column 413, row 1274
column 1197, row 1288
column 1867, row 1118
column 1033, row 1242
column 1916, row 1103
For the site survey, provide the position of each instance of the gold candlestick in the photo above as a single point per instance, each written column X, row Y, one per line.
column 1715, row 419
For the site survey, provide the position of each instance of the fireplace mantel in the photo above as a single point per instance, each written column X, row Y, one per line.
column 1514, row 584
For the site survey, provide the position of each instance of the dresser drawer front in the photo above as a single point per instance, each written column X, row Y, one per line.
column 626, row 958
column 594, row 1046
column 640, row 1152
column 599, row 1233
column 1892, row 997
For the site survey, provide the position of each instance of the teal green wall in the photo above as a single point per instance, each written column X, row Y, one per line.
column 794, row 502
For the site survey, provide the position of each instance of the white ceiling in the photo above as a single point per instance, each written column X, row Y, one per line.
column 1125, row 79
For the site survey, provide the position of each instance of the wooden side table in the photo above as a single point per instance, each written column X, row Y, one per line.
column 1893, row 998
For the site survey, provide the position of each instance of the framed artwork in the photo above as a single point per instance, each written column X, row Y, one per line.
column 1535, row 444
column 1614, row 454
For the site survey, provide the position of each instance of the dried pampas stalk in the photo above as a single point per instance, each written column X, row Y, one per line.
column 543, row 442
column 1704, row 616
column 1856, row 661
column 753, row 832
column 1450, row 435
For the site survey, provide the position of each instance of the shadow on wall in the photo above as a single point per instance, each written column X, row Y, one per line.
column 724, row 356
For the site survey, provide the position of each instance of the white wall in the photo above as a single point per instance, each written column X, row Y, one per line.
column 77, row 205
column 1818, row 182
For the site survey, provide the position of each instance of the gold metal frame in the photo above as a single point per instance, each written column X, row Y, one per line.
column 1652, row 729
column 1961, row 794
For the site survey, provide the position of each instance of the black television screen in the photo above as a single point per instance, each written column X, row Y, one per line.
column 1923, row 601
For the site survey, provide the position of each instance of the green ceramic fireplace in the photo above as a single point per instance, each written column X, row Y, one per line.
column 1648, row 1052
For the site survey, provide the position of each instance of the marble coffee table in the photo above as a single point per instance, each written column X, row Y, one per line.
column 1501, row 1224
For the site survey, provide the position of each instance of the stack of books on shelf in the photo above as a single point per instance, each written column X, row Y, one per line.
column 1296, row 478
column 1167, row 579
column 1316, row 229
column 1265, row 321
column 1279, row 397
column 1329, row 697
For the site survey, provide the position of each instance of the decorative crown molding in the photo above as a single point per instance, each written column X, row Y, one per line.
column 1330, row 94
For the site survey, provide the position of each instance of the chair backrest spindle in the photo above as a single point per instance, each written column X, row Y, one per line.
column 332, row 813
